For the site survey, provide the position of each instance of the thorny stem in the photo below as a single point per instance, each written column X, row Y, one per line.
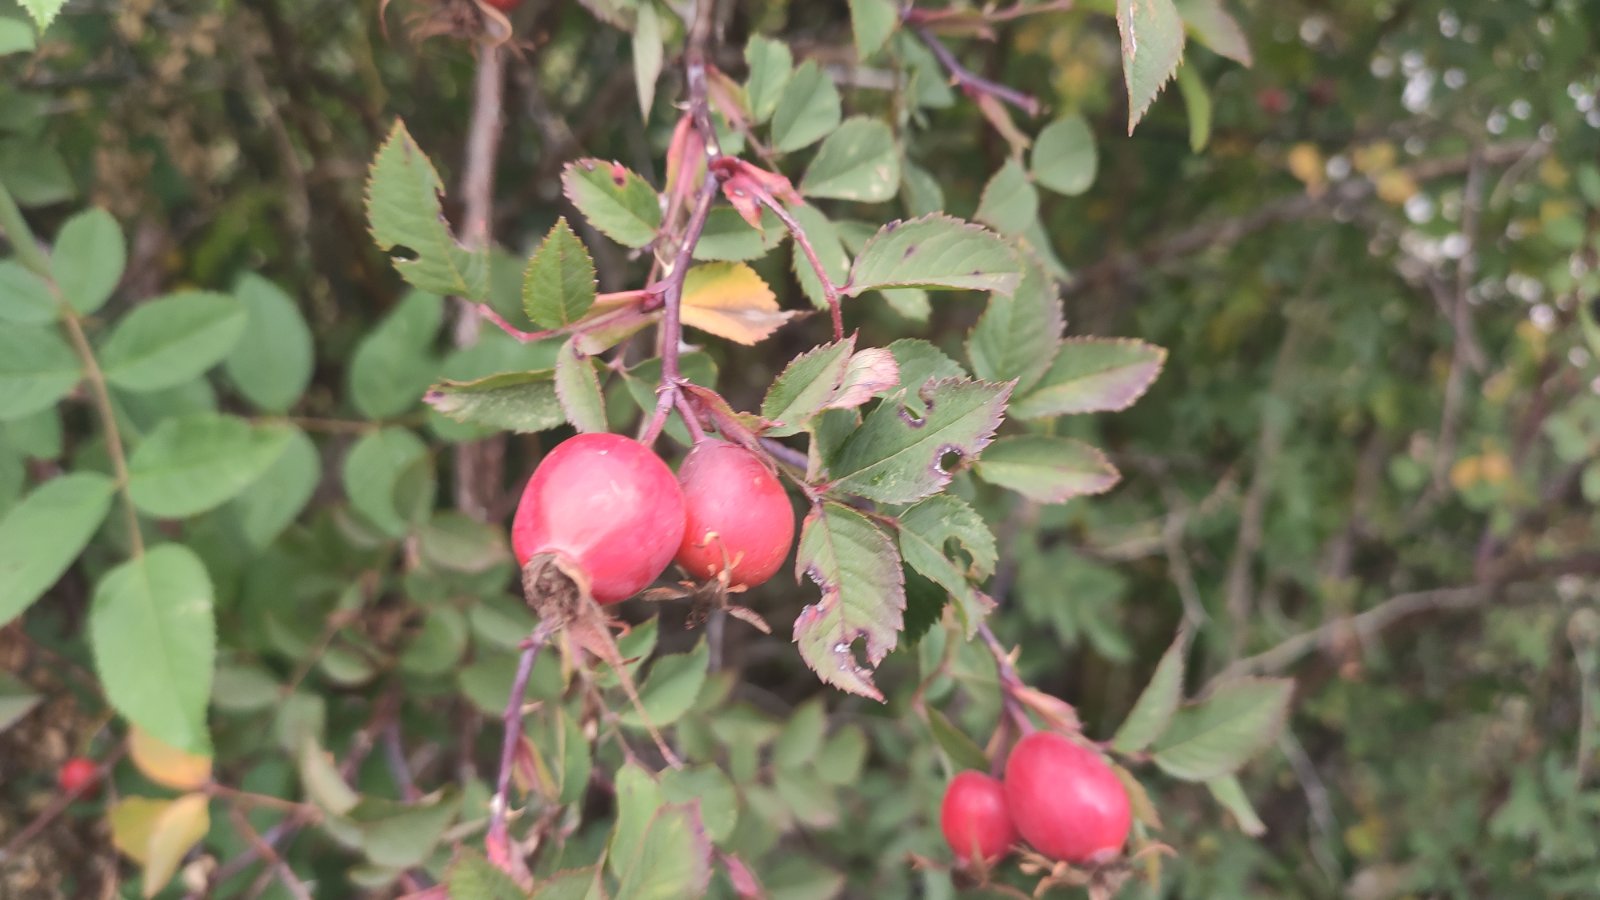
column 512, row 720
column 32, row 255
column 1010, row 682
column 969, row 81
column 830, row 291
column 672, row 298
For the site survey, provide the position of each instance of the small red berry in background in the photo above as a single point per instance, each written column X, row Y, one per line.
column 974, row 818
column 78, row 776
column 738, row 516
column 1274, row 101
column 607, row 504
column 1065, row 800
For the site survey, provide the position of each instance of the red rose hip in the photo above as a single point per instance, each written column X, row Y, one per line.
column 738, row 518
column 609, row 506
column 78, row 776
column 974, row 818
column 1065, row 800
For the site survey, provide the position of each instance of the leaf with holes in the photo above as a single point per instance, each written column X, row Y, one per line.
column 808, row 109
column 863, row 597
column 523, row 402
column 1047, row 469
column 898, row 457
column 1152, row 47
column 158, row 834
column 1212, row 25
column 407, row 221
column 1009, row 203
column 926, row 531
column 1019, row 333
column 1064, row 158
column 731, row 301
column 615, row 200
column 155, row 643
column 1094, row 375
column 935, row 251
column 1155, row 706
column 858, row 161
column 558, row 286
column 1219, row 734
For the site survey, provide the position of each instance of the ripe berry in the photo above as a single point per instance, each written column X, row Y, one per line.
column 77, row 776
column 739, row 518
column 503, row 5
column 608, row 505
column 975, row 820
column 1274, row 101
column 1065, row 800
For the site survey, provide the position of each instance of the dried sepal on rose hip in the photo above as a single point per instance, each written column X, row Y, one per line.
column 1066, row 801
column 601, row 517
column 976, row 823
column 739, row 522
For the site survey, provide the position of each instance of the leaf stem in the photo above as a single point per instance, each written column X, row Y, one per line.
column 830, row 291
column 969, row 81
column 32, row 255
column 497, row 840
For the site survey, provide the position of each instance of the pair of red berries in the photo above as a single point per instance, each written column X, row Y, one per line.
column 1058, row 795
column 616, row 512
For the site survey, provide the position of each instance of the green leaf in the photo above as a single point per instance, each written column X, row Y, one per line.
column 926, row 531
column 1047, row 469
column 771, row 65
column 43, row 11
column 394, row 364
column 16, row 700
column 823, row 236
column 173, row 339
column 1197, row 104
column 708, row 786
column 25, row 298
column 1094, row 375
column 88, row 258
column 579, row 390
column 729, row 238
column 155, row 643
column 438, row 646
column 1018, row 334
column 472, row 877
column 459, row 543
column 843, row 756
column 963, row 751
column 1219, row 734
column 935, row 251
column 41, row 536
column 801, row 738
column 373, row 471
column 1064, row 157
column 925, row 603
column 921, row 362
column 922, row 193
column 658, row 851
column 863, row 597
column 615, row 200
column 197, row 462
column 1009, row 202
column 1156, row 704
column 896, row 457
column 1152, row 47
column 273, row 367
column 671, row 687
column 523, row 402
column 858, row 161
column 34, row 171
column 872, row 21
column 400, row 835
column 558, row 287
column 808, row 109
column 264, row 509
column 648, row 51
column 1230, row 795
column 1212, row 25
column 37, row 434
column 826, row 377
column 37, row 368
column 406, row 219
column 16, row 36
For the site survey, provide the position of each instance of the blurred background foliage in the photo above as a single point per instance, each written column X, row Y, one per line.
column 1369, row 464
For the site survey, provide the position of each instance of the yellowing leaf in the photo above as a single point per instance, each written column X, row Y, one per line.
column 1305, row 163
column 731, row 301
column 1396, row 187
column 158, row 833
column 167, row 765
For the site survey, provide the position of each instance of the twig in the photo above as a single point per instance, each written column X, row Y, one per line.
column 1305, row 771
column 672, row 300
column 830, row 291
column 275, row 863
column 497, row 838
column 59, row 804
column 971, row 82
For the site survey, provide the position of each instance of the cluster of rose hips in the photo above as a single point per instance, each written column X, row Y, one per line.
column 1057, row 795
column 613, row 511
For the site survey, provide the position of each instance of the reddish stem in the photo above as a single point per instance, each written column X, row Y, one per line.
column 671, row 302
column 512, row 721
column 970, row 81
column 830, row 291
column 1010, row 682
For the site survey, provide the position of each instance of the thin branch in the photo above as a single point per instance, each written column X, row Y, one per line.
column 497, row 838
column 671, row 303
column 830, row 291
column 275, row 863
column 971, row 82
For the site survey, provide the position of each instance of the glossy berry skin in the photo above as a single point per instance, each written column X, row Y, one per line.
column 504, row 5
column 738, row 513
column 1065, row 800
column 77, row 775
column 974, row 818
column 609, row 505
